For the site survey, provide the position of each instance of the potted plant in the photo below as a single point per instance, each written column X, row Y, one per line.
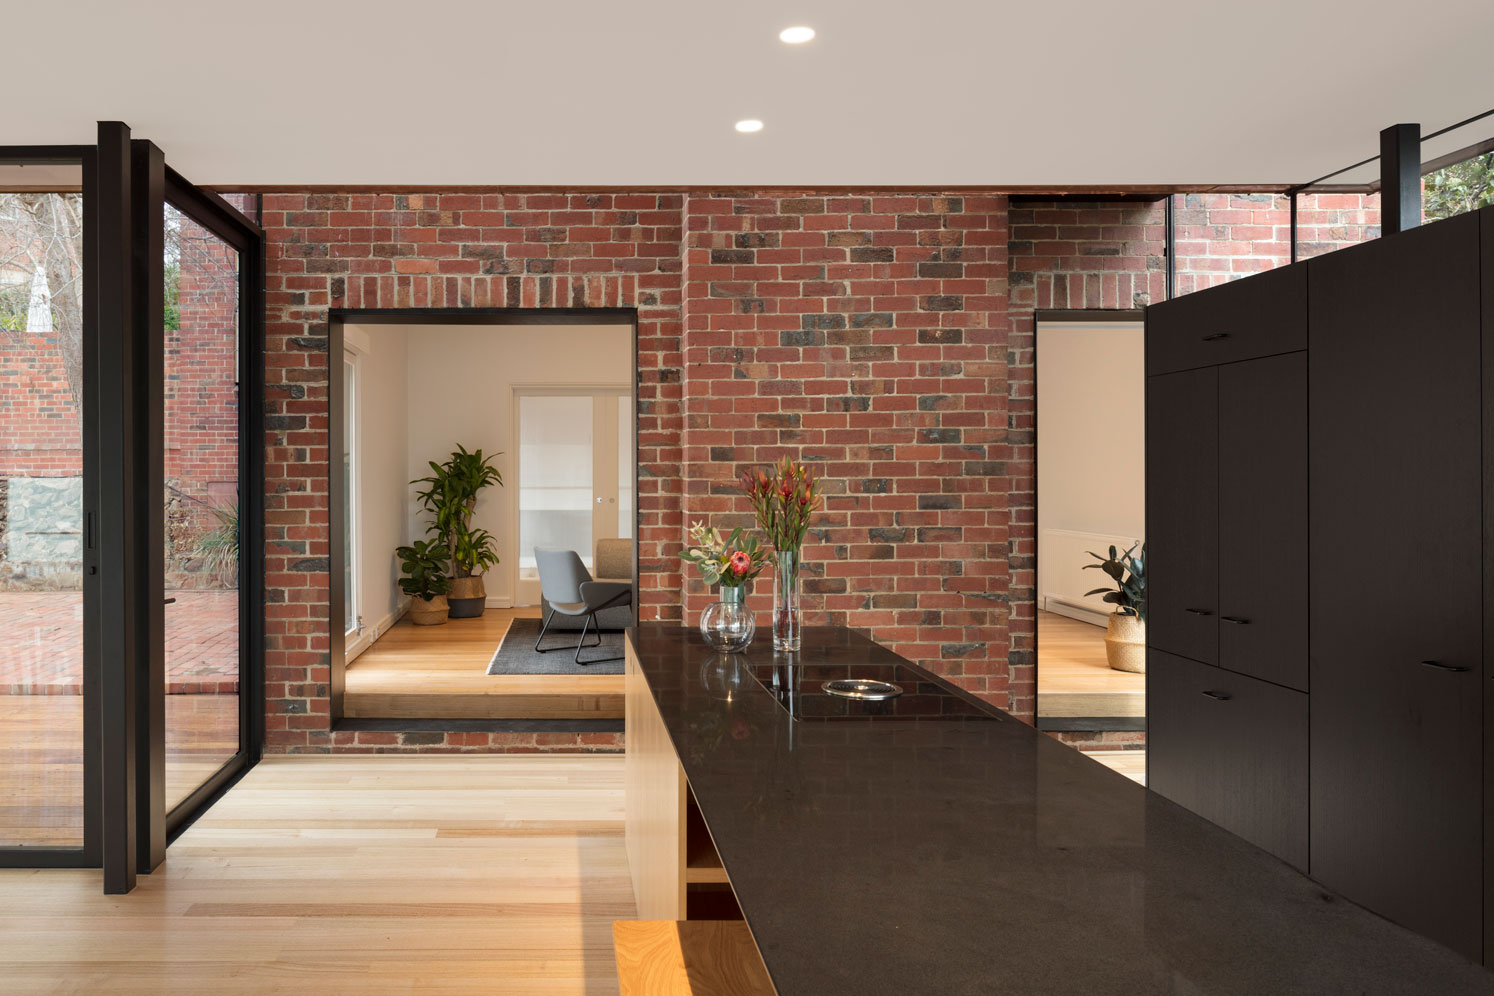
column 450, row 497
column 424, row 567
column 1125, row 634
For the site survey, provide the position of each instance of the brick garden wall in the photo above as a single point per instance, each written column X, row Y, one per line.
column 201, row 403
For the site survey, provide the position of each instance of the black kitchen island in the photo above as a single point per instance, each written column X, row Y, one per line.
column 933, row 844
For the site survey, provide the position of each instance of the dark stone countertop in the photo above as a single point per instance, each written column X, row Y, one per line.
column 976, row 855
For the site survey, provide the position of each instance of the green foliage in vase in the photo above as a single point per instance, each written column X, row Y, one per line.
column 1128, row 573
column 731, row 561
column 450, row 498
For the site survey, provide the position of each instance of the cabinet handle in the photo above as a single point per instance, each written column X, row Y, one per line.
column 1198, row 612
column 1236, row 620
column 1443, row 667
column 1218, row 696
column 1216, row 336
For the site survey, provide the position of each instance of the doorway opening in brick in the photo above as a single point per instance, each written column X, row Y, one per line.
column 550, row 398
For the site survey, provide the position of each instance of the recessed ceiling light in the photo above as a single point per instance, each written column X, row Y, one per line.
column 796, row 35
column 750, row 125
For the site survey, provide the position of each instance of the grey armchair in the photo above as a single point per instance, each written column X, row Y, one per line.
column 568, row 588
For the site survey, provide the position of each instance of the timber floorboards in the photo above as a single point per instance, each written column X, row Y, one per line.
column 439, row 672
column 352, row 875
column 1073, row 676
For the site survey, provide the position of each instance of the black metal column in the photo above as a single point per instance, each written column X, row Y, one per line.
column 148, row 183
column 1400, row 178
column 111, row 530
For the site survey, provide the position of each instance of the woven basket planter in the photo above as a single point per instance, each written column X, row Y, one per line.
column 467, row 597
column 1125, row 643
column 430, row 612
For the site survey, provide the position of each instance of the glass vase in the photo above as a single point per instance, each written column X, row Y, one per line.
column 727, row 625
column 786, row 601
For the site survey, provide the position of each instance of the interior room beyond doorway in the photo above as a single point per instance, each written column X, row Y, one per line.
column 1091, row 497
column 551, row 407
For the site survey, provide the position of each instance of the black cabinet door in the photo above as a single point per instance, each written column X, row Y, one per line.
column 1263, row 518
column 1261, row 316
column 1396, row 586
column 1232, row 749
column 1486, row 264
column 1182, row 513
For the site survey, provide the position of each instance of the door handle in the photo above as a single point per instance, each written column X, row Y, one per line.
column 1216, row 336
column 1198, row 612
column 1236, row 620
column 1218, row 696
column 1443, row 667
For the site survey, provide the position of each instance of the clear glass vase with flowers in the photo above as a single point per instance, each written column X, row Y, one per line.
column 784, row 502
column 729, row 564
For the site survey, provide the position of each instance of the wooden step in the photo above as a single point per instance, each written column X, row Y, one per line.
column 688, row 958
column 440, row 672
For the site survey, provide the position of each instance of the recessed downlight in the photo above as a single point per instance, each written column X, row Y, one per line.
column 749, row 126
column 797, row 35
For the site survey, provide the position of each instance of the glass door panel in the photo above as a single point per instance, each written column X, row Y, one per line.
column 555, row 477
column 41, row 520
column 627, row 472
column 202, row 504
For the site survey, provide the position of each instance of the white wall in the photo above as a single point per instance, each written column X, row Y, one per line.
column 459, row 383
column 1091, row 419
column 382, row 512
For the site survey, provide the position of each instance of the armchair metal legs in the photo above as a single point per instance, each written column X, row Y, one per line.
column 591, row 618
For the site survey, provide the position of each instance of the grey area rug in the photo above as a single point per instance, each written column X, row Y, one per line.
column 516, row 654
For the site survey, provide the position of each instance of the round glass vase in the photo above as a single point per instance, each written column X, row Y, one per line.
column 728, row 625
column 786, row 601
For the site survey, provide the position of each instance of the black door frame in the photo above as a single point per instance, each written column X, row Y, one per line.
column 227, row 223
column 89, row 855
column 337, row 318
column 125, row 185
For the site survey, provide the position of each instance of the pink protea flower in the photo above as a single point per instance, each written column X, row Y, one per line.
column 740, row 563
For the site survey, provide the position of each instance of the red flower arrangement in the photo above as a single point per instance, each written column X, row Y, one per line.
column 784, row 502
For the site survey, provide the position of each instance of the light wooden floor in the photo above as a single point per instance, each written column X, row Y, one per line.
column 41, row 760
column 1073, row 677
column 360, row 875
column 1131, row 763
column 439, row 672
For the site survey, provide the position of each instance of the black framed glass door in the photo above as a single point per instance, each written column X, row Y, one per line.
column 210, row 464
column 49, row 772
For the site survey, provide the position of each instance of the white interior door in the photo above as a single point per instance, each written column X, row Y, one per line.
column 575, row 474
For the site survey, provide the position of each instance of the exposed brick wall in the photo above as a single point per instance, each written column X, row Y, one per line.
column 447, row 251
column 1326, row 222
column 867, row 335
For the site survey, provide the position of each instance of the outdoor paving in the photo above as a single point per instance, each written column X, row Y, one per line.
column 41, row 642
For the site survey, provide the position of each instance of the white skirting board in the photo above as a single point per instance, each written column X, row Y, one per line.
column 1062, row 577
column 371, row 634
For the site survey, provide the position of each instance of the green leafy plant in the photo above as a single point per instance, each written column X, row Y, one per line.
column 731, row 561
column 219, row 546
column 450, row 498
column 424, row 565
column 1128, row 572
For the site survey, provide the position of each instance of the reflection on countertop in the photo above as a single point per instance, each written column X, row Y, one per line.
column 968, row 853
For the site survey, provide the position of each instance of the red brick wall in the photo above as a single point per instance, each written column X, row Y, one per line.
column 867, row 335
column 42, row 425
column 201, row 403
column 453, row 250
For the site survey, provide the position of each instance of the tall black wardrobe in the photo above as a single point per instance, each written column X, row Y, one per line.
column 1319, row 445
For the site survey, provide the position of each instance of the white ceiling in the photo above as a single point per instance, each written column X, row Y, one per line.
column 611, row 92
